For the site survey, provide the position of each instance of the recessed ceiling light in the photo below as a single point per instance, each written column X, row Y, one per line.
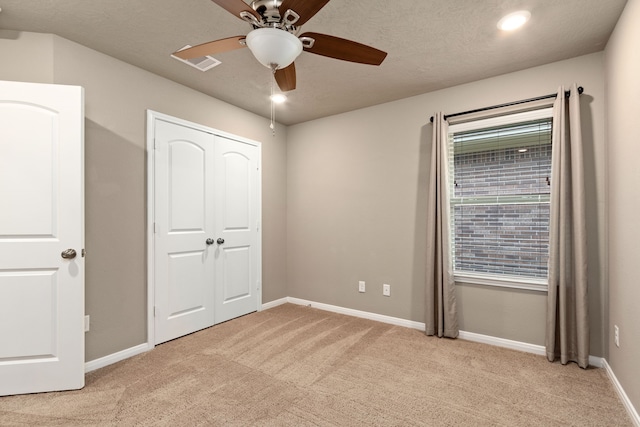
column 514, row 20
column 278, row 98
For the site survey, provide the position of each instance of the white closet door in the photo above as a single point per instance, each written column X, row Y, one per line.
column 237, row 207
column 41, row 238
column 184, row 229
column 206, row 236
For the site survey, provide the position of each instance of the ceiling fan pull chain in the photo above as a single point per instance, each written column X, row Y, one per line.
column 273, row 108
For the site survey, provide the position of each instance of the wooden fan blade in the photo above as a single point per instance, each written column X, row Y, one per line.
column 235, row 7
column 286, row 78
column 305, row 8
column 211, row 48
column 346, row 50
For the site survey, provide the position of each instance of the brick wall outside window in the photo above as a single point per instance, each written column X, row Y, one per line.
column 509, row 238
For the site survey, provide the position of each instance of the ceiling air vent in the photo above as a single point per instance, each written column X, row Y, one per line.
column 202, row 63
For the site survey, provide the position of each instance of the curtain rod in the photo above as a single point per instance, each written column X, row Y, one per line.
column 509, row 104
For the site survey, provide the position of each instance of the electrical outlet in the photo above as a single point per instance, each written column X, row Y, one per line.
column 87, row 324
column 361, row 286
column 386, row 290
column 616, row 335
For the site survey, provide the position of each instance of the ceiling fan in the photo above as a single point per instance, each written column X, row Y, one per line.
column 274, row 42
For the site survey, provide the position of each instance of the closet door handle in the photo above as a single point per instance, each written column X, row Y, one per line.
column 220, row 241
column 209, row 241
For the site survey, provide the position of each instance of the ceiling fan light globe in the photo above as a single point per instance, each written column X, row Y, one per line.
column 274, row 48
column 278, row 98
column 514, row 20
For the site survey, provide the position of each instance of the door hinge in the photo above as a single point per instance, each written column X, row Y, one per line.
column 155, row 229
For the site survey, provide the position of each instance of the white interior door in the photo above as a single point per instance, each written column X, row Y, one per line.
column 184, row 221
column 42, row 215
column 237, row 208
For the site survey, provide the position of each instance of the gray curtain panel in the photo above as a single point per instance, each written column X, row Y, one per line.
column 567, row 329
column 441, row 317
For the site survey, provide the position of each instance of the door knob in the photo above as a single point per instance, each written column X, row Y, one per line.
column 209, row 241
column 68, row 254
column 220, row 241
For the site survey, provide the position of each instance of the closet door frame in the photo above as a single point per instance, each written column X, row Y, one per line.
column 152, row 116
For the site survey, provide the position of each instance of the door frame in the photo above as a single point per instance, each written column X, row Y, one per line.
column 152, row 117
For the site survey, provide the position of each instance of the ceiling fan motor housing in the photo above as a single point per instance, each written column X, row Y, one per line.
column 268, row 9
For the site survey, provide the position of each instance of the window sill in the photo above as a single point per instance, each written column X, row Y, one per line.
column 514, row 282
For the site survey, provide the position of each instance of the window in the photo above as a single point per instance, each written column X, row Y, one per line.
column 499, row 180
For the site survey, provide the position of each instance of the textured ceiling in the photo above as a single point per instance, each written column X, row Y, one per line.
column 432, row 44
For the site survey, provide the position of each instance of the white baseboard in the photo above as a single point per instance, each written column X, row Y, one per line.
column 518, row 345
column 275, row 303
column 357, row 313
column 503, row 342
column 635, row 418
column 596, row 361
column 116, row 357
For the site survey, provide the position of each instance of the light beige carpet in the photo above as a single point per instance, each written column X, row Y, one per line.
column 298, row 366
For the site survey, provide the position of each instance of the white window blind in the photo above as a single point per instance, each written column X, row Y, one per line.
column 499, row 195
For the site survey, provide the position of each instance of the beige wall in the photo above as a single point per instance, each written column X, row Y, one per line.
column 117, row 96
column 356, row 204
column 26, row 57
column 623, row 191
